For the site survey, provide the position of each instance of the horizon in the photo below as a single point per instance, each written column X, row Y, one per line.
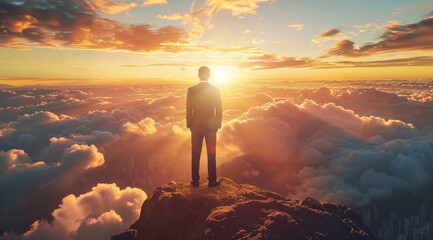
column 188, row 83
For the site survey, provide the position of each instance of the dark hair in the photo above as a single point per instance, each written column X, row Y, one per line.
column 203, row 70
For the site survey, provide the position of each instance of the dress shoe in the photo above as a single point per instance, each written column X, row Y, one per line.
column 194, row 184
column 214, row 183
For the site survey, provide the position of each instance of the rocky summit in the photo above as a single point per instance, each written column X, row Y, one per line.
column 239, row 211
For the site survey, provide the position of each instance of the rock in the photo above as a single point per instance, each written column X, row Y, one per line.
column 312, row 203
column 241, row 211
column 126, row 234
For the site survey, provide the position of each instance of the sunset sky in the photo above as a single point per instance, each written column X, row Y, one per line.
column 164, row 41
column 325, row 99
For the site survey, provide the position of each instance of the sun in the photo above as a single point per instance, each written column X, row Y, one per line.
column 221, row 75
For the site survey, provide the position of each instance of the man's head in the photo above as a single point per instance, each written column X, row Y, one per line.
column 203, row 73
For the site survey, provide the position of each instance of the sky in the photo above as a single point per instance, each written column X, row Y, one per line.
column 165, row 41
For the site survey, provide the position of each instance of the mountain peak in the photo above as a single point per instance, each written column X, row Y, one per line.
column 241, row 211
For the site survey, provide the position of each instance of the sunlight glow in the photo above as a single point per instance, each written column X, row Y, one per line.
column 222, row 74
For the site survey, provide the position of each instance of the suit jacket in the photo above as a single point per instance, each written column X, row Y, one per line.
column 203, row 107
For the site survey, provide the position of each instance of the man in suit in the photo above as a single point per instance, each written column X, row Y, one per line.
column 203, row 118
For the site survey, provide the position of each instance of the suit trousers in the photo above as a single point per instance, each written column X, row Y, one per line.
column 197, row 136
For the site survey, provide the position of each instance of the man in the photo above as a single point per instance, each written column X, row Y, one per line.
column 203, row 117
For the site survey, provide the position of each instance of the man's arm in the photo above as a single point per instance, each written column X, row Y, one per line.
column 218, row 109
column 189, row 109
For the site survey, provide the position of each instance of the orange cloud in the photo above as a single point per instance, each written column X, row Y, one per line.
column 398, row 37
column 270, row 61
column 200, row 20
column 13, row 158
column 111, row 7
column 330, row 33
column 20, row 23
column 424, row 61
column 239, row 7
column 154, row 2
column 326, row 35
column 144, row 127
column 89, row 155
column 75, row 24
column 297, row 27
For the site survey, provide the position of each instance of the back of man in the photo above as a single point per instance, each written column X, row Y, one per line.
column 203, row 116
column 205, row 99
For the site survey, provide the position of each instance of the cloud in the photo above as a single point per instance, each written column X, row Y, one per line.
column 389, row 99
column 326, row 35
column 329, row 33
column 24, row 101
column 51, row 154
column 270, row 61
column 422, row 61
column 343, row 47
column 239, row 7
column 144, row 127
column 297, row 27
column 97, row 214
column 397, row 37
column 328, row 152
column 200, row 20
column 68, row 148
column 13, row 158
column 154, row 2
column 110, row 6
column 6, row 131
column 174, row 64
column 26, row 124
column 93, row 127
column 296, row 138
column 47, row 153
column 37, row 179
column 74, row 24
column 89, row 156
column 364, row 28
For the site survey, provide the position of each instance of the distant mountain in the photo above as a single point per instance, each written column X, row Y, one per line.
column 6, row 86
column 38, row 86
column 240, row 211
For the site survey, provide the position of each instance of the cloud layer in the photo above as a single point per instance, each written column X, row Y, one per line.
column 329, row 152
column 296, row 138
column 270, row 61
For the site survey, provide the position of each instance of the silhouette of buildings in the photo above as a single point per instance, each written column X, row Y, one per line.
column 417, row 226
